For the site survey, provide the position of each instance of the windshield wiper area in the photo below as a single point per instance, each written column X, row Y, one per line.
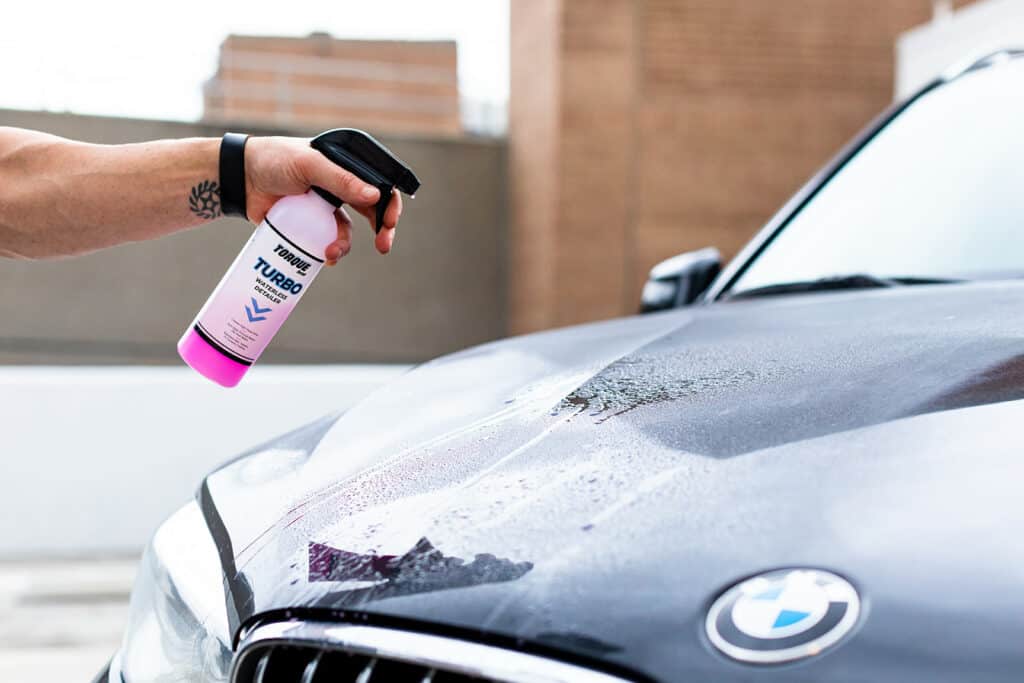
column 835, row 283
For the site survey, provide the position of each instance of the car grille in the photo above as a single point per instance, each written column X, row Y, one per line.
column 311, row 665
column 320, row 652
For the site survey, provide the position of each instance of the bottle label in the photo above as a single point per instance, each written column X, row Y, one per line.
column 256, row 295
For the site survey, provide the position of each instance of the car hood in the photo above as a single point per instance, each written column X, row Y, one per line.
column 589, row 491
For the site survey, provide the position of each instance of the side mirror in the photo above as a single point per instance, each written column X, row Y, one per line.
column 678, row 281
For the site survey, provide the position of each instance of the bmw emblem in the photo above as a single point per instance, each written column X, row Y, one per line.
column 783, row 615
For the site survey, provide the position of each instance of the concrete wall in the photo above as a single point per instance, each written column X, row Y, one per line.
column 95, row 458
column 441, row 289
column 661, row 126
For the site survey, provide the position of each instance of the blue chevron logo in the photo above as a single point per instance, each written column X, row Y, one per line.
column 255, row 313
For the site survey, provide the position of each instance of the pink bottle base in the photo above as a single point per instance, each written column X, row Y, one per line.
column 208, row 361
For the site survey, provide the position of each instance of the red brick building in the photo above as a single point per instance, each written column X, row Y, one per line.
column 319, row 81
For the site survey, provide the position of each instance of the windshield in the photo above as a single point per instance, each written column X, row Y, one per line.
column 938, row 193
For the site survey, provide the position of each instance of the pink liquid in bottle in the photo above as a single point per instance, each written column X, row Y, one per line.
column 260, row 290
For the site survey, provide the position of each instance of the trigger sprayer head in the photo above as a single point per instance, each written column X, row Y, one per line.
column 367, row 159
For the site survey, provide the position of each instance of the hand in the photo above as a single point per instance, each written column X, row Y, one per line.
column 278, row 166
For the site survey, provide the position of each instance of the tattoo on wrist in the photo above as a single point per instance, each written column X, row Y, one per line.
column 204, row 200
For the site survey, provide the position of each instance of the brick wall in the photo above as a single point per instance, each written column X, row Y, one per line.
column 391, row 86
column 645, row 128
column 533, row 173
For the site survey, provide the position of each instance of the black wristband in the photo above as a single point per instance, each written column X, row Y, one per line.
column 232, row 174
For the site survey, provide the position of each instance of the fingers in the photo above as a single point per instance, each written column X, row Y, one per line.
column 394, row 210
column 341, row 246
column 361, row 196
column 385, row 238
column 320, row 172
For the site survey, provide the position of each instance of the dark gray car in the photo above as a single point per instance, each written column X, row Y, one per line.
column 807, row 470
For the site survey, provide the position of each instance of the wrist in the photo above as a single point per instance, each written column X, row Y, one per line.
column 232, row 174
column 195, row 162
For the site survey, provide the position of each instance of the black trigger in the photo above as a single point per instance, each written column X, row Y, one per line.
column 386, row 192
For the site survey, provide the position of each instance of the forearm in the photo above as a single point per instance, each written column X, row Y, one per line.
column 59, row 197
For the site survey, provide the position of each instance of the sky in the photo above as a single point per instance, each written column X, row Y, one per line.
column 150, row 59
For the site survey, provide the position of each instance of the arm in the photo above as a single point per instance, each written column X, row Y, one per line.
column 59, row 197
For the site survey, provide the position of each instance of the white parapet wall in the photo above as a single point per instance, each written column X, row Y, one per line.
column 953, row 37
column 95, row 457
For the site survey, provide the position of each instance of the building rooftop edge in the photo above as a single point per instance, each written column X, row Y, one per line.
column 244, row 37
column 260, row 129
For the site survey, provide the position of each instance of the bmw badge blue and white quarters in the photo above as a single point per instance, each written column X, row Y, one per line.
column 783, row 615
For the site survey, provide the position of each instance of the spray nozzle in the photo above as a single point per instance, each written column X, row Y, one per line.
column 360, row 154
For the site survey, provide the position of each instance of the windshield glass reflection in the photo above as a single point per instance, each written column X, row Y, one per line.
column 936, row 194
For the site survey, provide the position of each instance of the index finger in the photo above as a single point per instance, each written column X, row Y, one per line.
column 346, row 186
column 393, row 212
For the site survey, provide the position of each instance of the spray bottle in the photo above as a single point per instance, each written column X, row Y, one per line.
column 281, row 259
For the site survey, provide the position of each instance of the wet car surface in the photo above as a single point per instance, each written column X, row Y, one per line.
column 586, row 494
column 646, row 498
